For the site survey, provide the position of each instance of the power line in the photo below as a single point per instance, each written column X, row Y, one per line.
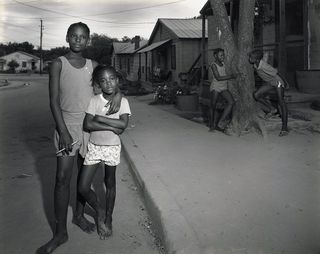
column 102, row 21
column 16, row 3
column 135, row 9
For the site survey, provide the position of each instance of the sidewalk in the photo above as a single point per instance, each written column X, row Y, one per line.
column 211, row 193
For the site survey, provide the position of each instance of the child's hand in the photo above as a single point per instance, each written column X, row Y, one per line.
column 65, row 141
column 114, row 104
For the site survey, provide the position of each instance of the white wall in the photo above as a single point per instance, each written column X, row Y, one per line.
column 21, row 58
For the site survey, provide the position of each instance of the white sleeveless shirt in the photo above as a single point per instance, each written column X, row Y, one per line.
column 75, row 86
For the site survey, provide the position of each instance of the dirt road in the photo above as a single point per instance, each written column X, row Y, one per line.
column 27, row 172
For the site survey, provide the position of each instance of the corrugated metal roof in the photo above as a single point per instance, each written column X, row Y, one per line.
column 119, row 46
column 153, row 46
column 127, row 47
column 186, row 28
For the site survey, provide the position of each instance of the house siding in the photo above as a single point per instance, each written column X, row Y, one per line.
column 314, row 34
column 162, row 33
column 191, row 49
column 187, row 50
column 22, row 59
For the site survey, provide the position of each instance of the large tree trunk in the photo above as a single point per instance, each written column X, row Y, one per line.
column 244, row 113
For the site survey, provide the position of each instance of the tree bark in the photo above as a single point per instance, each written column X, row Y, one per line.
column 245, row 110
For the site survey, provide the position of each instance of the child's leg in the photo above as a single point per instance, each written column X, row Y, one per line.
column 110, row 183
column 78, row 218
column 259, row 96
column 84, row 188
column 227, row 110
column 61, row 202
column 283, row 111
column 213, row 103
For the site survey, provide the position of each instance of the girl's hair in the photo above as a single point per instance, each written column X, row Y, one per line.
column 217, row 50
column 256, row 54
column 100, row 69
column 80, row 24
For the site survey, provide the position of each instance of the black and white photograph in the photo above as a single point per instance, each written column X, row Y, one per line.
column 160, row 127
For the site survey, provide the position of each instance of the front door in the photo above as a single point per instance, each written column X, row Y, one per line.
column 280, row 29
column 294, row 37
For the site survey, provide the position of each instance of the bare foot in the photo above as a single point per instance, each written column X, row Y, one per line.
column 84, row 224
column 283, row 133
column 50, row 246
column 101, row 228
column 108, row 224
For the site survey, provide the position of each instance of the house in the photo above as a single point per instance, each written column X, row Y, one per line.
column 287, row 29
column 174, row 48
column 26, row 61
column 124, row 57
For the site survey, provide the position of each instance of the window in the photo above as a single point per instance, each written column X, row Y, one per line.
column 120, row 63
column 294, row 17
column 173, row 57
column 24, row 64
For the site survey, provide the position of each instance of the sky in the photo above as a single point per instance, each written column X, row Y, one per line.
column 20, row 19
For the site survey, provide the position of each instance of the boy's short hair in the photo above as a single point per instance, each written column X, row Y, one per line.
column 217, row 50
column 256, row 54
column 80, row 24
column 101, row 68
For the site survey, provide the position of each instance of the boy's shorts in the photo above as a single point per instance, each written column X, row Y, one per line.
column 77, row 134
column 109, row 155
column 277, row 83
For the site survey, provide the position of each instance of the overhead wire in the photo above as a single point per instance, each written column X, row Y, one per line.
column 100, row 14
column 85, row 17
column 2, row 4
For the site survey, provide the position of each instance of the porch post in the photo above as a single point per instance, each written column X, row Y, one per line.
column 282, row 38
column 146, row 65
column 203, row 44
column 139, row 69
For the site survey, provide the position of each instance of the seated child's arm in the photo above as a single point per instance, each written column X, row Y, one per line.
column 217, row 75
column 90, row 124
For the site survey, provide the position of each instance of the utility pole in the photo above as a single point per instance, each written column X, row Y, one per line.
column 41, row 60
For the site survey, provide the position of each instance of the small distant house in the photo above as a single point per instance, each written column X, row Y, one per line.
column 125, row 59
column 26, row 61
column 174, row 47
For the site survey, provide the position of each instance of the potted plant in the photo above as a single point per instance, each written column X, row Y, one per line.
column 187, row 96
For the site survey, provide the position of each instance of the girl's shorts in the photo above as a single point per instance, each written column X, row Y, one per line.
column 109, row 155
column 218, row 86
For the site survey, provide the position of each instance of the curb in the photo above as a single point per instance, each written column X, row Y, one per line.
column 172, row 227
